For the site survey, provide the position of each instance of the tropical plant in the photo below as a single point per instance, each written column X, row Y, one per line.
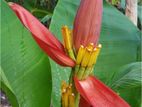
column 28, row 77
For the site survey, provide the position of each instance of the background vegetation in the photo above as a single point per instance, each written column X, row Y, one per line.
column 30, row 79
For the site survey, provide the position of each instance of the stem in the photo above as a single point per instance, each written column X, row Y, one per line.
column 80, row 73
column 86, row 73
column 71, row 54
column 77, row 95
column 39, row 11
column 76, row 69
column 71, row 76
column 77, row 99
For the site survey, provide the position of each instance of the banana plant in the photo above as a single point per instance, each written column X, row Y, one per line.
column 79, row 52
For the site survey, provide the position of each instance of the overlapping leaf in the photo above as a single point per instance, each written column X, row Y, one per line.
column 127, row 82
column 23, row 63
column 128, row 77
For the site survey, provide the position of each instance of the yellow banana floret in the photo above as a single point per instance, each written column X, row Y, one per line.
column 67, row 95
column 92, row 57
column 86, row 57
column 67, row 37
column 71, row 100
column 96, row 53
column 80, row 54
column 90, row 46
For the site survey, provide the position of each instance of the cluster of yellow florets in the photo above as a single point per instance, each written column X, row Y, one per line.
column 86, row 56
column 85, row 60
column 68, row 98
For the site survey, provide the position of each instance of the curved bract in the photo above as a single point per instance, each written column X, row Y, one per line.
column 87, row 23
column 43, row 36
column 98, row 94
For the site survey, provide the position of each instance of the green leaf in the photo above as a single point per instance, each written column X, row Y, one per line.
column 115, row 2
column 132, row 95
column 120, row 40
column 7, row 88
column 24, row 65
column 128, row 77
column 140, row 2
column 122, row 3
column 127, row 82
column 46, row 18
column 119, row 37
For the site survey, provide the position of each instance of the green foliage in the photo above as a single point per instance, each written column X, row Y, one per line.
column 119, row 37
column 38, row 8
column 127, row 82
column 140, row 2
column 25, row 69
column 123, row 4
column 7, row 88
column 128, row 77
column 132, row 96
column 115, row 2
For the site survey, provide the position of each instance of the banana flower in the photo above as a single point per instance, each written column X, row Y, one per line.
column 80, row 54
column 45, row 39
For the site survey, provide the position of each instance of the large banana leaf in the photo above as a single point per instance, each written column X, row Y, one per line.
column 127, row 82
column 119, row 37
column 128, row 77
column 25, row 67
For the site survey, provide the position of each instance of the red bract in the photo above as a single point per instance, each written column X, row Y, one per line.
column 84, row 103
column 87, row 23
column 43, row 36
column 97, row 94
